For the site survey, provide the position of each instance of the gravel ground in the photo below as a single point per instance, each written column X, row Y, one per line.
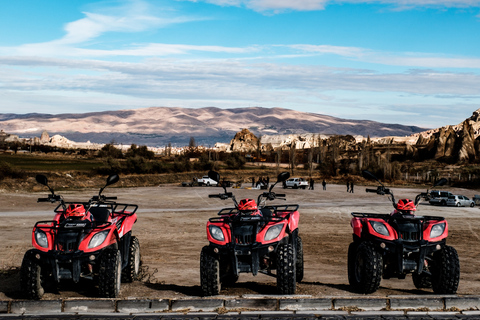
column 171, row 229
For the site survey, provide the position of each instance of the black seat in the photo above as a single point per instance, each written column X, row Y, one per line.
column 100, row 214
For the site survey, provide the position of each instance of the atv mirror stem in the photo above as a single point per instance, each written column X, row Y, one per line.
column 113, row 178
column 283, row 176
column 44, row 181
column 215, row 176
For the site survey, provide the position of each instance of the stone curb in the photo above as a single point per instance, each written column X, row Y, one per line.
column 221, row 304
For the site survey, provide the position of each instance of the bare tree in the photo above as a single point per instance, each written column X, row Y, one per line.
column 291, row 156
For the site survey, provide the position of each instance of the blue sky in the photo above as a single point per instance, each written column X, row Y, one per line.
column 395, row 61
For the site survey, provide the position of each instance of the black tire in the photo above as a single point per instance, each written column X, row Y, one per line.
column 209, row 273
column 299, row 269
column 458, row 204
column 445, row 271
column 367, row 268
column 443, row 203
column 31, row 277
column 352, row 250
column 286, row 275
column 110, row 274
column 227, row 276
column 472, row 204
column 228, row 279
column 295, row 187
column 132, row 269
column 422, row 281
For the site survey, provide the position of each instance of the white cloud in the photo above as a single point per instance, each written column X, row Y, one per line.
column 278, row 6
column 409, row 59
column 225, row 79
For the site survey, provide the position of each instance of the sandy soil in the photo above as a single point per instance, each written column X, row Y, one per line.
column 171, row 230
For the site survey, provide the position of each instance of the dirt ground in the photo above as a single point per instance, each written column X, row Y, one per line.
column 171, row 230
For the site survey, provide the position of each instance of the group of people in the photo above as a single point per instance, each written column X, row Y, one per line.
column 350, row 186
column 311, row 184
column 261, row 183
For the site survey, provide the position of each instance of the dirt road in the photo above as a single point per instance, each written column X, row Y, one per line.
column 171, row 230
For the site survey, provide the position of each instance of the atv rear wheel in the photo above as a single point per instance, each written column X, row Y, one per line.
column 445, row 271
column 132, row 269
column 422, row 281
column 31, row 277
column 299, row 262
column 209, row 273
column 110, row 274
column 367, row 268
column 286, row 275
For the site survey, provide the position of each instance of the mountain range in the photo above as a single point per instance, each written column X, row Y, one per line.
column 158, row 126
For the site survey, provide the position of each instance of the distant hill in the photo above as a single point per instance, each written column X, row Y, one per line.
column 158, row 126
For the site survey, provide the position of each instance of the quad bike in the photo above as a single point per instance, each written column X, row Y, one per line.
column 394, row 245
column 91, row 240
column 251, row 238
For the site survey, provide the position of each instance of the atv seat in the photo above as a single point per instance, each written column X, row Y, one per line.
column 266, row 212
column 100, row 214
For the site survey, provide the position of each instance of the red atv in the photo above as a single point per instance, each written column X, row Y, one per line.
column 252, row 238
column 91, row 240
column 394, row 245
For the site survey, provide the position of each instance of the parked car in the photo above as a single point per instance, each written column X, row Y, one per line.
column 476, row 199
column 296, row 183
column 460, row 201
column 205, row 180
column 439, row 197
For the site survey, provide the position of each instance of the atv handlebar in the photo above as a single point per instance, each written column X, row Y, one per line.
column 381, row 190
column 102, row 198
column 51, row 198
column 222, row 196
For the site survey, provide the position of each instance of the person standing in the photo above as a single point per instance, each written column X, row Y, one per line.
column 348, row 186
column 312, row 183
column 324, row 184
column 351, row 187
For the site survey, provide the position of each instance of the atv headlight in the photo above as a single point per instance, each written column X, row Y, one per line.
column 273, row 232
column 437, row 230
column 217, row 233
column 380, row 228
column 98, row 239
column 41, row 238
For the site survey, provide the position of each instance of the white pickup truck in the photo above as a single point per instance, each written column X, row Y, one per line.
column 296, row 183
column 205, row 180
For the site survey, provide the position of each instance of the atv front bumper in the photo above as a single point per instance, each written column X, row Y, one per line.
column 407, row 257
column 72, row 265
column 252, row 258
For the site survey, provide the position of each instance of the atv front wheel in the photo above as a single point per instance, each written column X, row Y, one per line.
column 132, row 269
column 110, row 274
column 367, row 268
column 299, row 262
column 422, row 281
column 31, row 277
column 286, row 275
column 209, row 273
column 445, row 271
column 227, row 275
column 352, row 251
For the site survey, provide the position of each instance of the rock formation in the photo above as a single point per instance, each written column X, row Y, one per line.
column 244, row 141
